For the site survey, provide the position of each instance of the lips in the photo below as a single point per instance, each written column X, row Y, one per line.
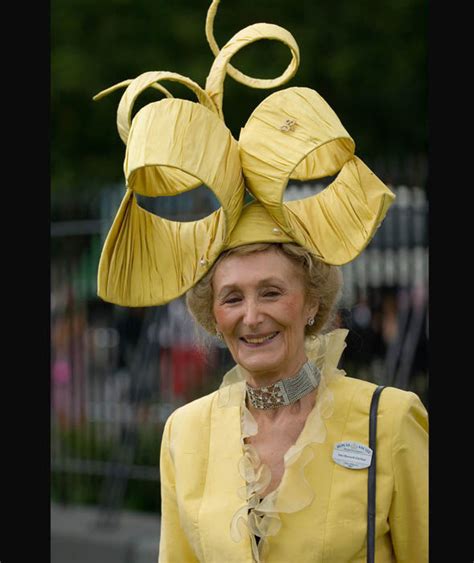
column 259, row 339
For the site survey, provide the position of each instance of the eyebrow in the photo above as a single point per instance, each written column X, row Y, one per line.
column 266, row 281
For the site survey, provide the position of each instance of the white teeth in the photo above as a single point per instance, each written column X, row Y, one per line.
column 260, row 340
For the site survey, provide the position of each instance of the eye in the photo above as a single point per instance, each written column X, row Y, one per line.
column 271, row 293
column 231, row 300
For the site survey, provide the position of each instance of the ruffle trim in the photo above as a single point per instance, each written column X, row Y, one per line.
column 260, row 516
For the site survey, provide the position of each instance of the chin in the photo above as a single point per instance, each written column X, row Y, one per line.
column 261, row 364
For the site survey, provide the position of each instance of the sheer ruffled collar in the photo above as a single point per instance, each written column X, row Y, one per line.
column 325, row 351
column 260, row 515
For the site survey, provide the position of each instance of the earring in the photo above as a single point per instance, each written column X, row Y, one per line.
column 311, row 321
column 219, row 335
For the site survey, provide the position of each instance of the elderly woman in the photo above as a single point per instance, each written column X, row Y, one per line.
column 248, row 473
column 273, row 466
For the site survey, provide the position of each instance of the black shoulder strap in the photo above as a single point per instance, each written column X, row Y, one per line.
column 371, row 479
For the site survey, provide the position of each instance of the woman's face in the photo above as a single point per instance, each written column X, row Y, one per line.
column 260, row 309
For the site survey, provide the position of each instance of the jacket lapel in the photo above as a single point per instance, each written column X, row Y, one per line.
column 220, row 499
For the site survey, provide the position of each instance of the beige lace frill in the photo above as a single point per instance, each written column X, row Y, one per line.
column 260, row 516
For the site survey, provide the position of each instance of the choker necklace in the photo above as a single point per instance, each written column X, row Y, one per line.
column 285, row 391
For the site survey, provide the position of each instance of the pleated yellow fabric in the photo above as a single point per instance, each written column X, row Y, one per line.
column 146, row 259
column 174, row 146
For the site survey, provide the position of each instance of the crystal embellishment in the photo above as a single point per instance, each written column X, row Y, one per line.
column 285, row 391
column 289, row 125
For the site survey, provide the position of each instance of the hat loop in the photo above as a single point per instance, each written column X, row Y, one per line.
column 237, row 74
column 250, row 34
column 146, row 80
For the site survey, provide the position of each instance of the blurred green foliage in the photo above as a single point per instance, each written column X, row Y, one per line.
column 140, row 495
column 368, row 59
column 88, row 442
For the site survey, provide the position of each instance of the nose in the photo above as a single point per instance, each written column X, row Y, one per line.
column 252, row 313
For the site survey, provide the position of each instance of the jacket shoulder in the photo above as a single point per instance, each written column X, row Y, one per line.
column 359, row 392
column 195, row 407
column 191, row 420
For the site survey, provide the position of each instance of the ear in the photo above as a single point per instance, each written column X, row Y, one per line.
column 217, row 330
column 313, row 309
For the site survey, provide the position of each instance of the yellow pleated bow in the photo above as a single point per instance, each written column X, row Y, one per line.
column 175, row 145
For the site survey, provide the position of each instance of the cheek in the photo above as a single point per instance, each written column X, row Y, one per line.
column 223, row 318
column 296, row 323
column 217, row 314
column 293, row 312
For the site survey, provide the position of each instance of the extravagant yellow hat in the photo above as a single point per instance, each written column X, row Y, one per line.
column 175, row 145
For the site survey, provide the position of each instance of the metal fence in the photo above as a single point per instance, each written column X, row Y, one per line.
column 117, row 373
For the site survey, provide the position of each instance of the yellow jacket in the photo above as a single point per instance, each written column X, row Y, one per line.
column 319, row 511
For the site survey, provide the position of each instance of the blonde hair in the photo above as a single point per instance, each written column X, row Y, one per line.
column 322, row 282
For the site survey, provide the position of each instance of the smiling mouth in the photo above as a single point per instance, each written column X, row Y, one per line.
column 260, row 340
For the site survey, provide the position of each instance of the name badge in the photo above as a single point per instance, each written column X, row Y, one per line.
column 352, row 455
